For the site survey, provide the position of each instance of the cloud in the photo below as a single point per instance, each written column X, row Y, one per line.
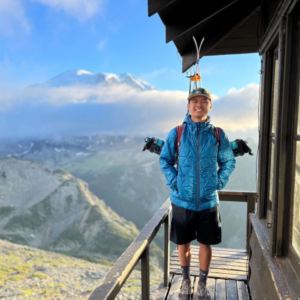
column 13, row 18
column 120, row 108
column 238, row 109
column 80, row 9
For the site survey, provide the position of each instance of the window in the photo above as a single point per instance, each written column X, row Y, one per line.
column 296, row 200
column 295, row 217
column 296, row 205
column 273, row 131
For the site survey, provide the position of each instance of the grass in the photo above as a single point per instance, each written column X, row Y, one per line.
column 28, row 273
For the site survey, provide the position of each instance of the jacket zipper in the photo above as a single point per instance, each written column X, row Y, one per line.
column 198, row 164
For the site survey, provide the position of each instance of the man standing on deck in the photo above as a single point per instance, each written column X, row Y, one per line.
column 196, row 160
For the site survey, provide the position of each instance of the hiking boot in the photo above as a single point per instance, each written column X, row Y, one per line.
column 202, row 292
column 185, row 290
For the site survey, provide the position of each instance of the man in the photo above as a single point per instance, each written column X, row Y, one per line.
column 195, row 169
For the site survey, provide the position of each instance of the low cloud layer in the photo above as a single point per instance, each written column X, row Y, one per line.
column 238, row 109
column 117, row 108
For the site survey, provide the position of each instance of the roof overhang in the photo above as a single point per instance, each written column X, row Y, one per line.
column 228, row 26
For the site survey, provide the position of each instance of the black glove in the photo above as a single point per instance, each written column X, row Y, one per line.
column 240, row 147
column 153, row 145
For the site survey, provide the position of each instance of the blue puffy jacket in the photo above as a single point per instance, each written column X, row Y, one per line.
column 204, row 165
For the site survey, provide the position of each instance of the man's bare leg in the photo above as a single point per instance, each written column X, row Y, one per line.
column 204, row 257
column 184, row 254
column 204, row 261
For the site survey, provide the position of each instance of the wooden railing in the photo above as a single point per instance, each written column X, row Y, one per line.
column 237, row 196
column 139, row 249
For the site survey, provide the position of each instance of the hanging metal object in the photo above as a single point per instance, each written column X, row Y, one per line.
column 195, row 77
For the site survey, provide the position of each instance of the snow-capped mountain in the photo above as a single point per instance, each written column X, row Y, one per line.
column 79, row 102
column 84, row 77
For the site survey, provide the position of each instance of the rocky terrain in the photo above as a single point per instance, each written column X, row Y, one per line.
column 28, row 273
column 115, row 168
column 56, row 211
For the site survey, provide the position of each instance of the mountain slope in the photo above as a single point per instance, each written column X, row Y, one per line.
column 54, row 210
column 28, row 273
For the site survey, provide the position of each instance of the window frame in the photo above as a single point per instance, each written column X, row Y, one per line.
column 293, row 137
column 282, row 36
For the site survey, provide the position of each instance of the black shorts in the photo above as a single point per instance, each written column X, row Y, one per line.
column 188, row 225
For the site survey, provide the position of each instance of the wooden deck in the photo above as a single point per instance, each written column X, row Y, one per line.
column 226, row 279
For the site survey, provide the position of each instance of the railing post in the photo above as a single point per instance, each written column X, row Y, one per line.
column 167, row 249
column 251, row 198
column 145, row 274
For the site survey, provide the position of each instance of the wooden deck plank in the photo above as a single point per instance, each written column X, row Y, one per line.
column 225, row 258
column 221, row 254
column 241, row 252
column 161, row 293
column 211, row 286
column 220, row 289
column 195, row 248
column 226, row 264
column 217, row 258
column 195, row 261
column 195, row 271
column 219, row 275
column 221, row 249
column 211, row 270
column 231, row 290
column 242, row 291
column 217, row 265
column 175, row 287
column 227, row 274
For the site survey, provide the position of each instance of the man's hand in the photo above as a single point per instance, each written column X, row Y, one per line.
column 238, row 146
column 153, row 145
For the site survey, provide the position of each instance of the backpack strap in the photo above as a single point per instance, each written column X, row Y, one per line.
column 179, row 130
column 217, row 134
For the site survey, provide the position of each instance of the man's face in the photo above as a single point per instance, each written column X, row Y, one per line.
column 199, row 107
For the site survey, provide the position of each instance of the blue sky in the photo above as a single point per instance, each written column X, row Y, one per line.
column 42, row 38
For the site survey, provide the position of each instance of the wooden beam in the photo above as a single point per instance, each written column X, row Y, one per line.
column 266, row 84
column 205, row 15
column 145, row 270
column 236, row 196
column 251, row 200
column 214, row 33
column 155, row 6
column 167, row 249
column 273, row 26
column 264, row 265
column 283, row 118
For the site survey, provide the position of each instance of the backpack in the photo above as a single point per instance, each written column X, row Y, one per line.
column 180, row 128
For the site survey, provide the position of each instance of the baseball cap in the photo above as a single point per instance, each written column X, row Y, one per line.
column 199, row 92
